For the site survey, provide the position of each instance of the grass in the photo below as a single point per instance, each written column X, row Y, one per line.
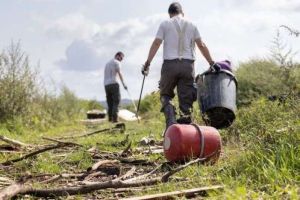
column 260, row 159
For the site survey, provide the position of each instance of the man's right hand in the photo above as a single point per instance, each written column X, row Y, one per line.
column 215, row 67
column 145, row 68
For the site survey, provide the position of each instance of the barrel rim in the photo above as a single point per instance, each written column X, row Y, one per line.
column 208, row 72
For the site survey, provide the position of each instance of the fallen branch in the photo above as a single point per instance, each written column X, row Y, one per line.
column 93, row 133
column 128, row 174
column 135, row 161
column 83, row 189
column 52, row 179
column 144, row 175
column 80, row 189
column 102, row 162
column 60, row 145
column 59, row 176
column 92, row 175
column 62, row 142
column 166, row 176
column 126, row 150
column 12, row 142
column 186, row 193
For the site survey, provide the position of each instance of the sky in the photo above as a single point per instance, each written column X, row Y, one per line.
column 72, row 40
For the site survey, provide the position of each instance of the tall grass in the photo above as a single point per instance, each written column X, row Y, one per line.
column 268, row 136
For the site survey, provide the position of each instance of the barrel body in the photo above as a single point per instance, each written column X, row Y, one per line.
column 217, row 98
column 185, row 141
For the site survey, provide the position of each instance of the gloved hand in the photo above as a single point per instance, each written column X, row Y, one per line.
column 145, row 68
column 215, row 67
column 125, row 87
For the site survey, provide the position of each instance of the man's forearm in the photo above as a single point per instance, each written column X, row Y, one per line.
column 153, row 49
column 204, row 51
column 121, row 78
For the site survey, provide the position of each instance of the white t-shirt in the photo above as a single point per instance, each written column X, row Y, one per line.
column 110, row 71
column 168, row 33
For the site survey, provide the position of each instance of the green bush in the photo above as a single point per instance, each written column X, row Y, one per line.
column 24, row 102
column 90, row 104
column 150, row 103
column 257, row 78
column 18, row 83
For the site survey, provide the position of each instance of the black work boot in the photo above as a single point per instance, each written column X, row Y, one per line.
column 169, row 112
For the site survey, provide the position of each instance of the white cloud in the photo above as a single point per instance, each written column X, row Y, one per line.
column 72, row 26
column 88, row 54
column 279, row 5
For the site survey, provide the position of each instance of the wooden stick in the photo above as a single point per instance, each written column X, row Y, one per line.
column 128, row 174
column 91, row 133
column 166, row 176
column 95, row 174
column 9, row 162
column 125, row 151
column 102, row 162
column 186, row 193
column 144, row 175
column 83, row 189
column 62, row 142
column 52, row 179
column 12, row 142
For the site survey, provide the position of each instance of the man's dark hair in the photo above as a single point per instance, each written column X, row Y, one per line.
column 119, row 53
column 175, row 8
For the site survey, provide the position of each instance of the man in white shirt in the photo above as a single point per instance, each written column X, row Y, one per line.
column 112, row 90
column 179, row 37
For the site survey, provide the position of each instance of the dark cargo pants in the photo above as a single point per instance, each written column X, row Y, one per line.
column 180, row 74
column 113, row 100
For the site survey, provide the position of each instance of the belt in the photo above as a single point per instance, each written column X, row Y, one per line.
column 180, row 60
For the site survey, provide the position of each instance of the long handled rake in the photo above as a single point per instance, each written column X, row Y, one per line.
column 134, row 105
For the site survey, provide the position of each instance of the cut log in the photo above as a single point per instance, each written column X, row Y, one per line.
column 182, row 193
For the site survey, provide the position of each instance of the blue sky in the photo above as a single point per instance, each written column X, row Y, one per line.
column 73, row 39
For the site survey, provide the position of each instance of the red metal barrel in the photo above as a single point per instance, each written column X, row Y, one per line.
column 183, row 142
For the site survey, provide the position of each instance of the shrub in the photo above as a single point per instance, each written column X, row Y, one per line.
column 257, row 78
column 18, row 83
column 24, row 102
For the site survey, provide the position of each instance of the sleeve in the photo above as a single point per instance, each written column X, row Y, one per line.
column 117, row 66
column 160, row 33
column 196, row 33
